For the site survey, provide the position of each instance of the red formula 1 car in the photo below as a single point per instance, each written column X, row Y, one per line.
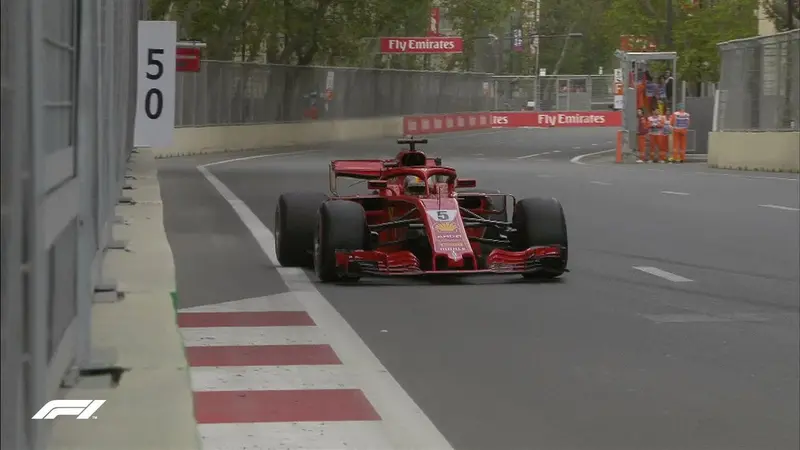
column 418, row 219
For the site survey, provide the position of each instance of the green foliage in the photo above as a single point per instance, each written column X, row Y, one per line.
column 777, row 12
column 695, row 32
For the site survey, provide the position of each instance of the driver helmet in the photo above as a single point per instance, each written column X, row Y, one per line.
column 414, row 185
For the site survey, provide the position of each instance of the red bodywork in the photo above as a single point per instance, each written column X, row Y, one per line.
column 454, row 236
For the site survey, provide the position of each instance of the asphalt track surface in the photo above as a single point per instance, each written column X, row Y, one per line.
column 676, row 329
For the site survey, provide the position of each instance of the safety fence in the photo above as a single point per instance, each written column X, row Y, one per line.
column 759, row 85
column 553, row 92
column 68, row 99
column 230, row 93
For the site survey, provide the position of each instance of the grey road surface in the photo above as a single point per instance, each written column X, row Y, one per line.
column 677, row 328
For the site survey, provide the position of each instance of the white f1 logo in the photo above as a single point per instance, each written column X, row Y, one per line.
column 84, row 409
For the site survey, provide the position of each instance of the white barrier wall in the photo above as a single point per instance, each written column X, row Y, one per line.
column 216, row 139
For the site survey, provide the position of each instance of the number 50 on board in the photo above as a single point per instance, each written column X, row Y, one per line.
column 155, row 89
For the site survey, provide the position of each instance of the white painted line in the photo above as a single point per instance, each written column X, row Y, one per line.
column 219, row 336
column 286, row 301
column 478, row 154
column 601, row 183
column 674, row 193
column 267, row 155
column 366, row 435
column 754, row 177
column 556, row 151
column 262, row 378
column 545, row 153
column 663, row 274
column 577, row 159
column 785, row 208
column 576, row 148
column 406, row 425
column 528, row 156
column 595, row 145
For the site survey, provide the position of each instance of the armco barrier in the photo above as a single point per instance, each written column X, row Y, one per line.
column 446, row 123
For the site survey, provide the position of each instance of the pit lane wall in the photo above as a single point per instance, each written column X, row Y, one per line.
column 218, row 139
column 776, row 151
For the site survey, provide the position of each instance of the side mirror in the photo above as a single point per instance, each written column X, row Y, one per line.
column 466, row 183
column 377, row 184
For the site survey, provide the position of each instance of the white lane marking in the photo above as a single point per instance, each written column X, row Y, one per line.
column 263, row 378
column 601, row 183
column 406, row 425
column 266, row 155
column 286, row 301
column 785, row 208
column 222, row 336
column 577, row 159
column 528, row 156
column 576, row 148
column 478, row 154
column 595, row 145
column 556, row 151
column 663, row 274
column 456, row 135
column 674, row 193
column 295, row 435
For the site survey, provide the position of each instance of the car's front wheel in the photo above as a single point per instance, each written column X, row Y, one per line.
column 341, row 226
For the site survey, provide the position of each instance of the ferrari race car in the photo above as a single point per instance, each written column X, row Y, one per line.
column 419, row 218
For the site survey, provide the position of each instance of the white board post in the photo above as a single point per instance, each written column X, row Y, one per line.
column 155, row 90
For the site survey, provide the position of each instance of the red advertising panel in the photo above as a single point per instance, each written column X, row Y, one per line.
column 187, row 59
column 422, row 45
column 433, row 28
column 571, row 119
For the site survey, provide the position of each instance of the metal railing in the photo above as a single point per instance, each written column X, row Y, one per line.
column 68, row 99
column 232, row 93
column 759, row 86
column 553, row 92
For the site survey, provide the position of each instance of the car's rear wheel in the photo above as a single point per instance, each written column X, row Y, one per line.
column 341, row 225
column 541, row 221
column 295, row 222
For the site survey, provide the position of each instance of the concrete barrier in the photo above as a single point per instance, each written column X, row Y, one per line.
column 742, row 150
column 203, row 140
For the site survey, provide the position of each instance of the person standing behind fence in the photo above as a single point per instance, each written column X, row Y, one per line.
column 651, row 92
column 656, row 127
column 680, row 122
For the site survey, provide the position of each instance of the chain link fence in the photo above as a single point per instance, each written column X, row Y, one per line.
column 68, row 93
column 759, row 86
column 232, row 93
column 553, row 92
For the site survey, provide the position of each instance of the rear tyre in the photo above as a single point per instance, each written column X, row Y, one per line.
column 295, row 222
column 540, row 221
column 341, row 225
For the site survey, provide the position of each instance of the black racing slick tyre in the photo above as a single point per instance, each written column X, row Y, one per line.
column 295, row 223
column 540, row 221
column 341, row 225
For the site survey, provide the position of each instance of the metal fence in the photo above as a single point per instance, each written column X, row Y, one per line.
column 759, row 85
column 68, row 93
column 228, row 93
column 553, row 92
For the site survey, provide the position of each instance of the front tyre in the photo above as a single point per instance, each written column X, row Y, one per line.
column 541, row 222
column 295, row 222
column 341, row 225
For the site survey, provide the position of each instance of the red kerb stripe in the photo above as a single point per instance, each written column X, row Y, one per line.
column 261, row 355
column 324, row 405
column 245, row 319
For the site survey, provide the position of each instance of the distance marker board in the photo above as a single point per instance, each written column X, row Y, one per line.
column 155, row 89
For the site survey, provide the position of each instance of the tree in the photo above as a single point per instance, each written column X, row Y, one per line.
column 777, row 11
column 694, row 33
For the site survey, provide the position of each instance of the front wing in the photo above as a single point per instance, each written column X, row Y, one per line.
column 405, row 263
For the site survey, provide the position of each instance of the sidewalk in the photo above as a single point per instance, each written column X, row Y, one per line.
column 151, row 409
